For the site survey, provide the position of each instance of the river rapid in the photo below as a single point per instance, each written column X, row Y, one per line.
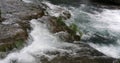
column 100, row 30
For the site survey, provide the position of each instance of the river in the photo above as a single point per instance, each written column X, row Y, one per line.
column 100, row 30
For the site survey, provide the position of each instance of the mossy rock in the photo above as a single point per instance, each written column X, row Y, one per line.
column 58, row 25
column 5, row 47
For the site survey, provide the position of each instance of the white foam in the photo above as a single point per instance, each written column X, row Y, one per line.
column 109, row 17
column 27, row 1
column 109, row 50
column 100, row 22
column 54, row 10
column 43, row 41
column 108, row 20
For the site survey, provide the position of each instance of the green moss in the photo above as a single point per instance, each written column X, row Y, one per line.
column 9, row 46
column 75, row 29
column 19, row 43
column 60, row 21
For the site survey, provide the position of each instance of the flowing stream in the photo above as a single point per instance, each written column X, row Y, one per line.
column 101, row 24
column 95, row 26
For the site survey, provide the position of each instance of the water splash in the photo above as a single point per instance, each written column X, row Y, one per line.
column 106, row 23
column 43, row 41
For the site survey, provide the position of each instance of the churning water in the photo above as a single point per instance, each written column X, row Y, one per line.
column 101, row 29
column 103, row 25
column 43, row 43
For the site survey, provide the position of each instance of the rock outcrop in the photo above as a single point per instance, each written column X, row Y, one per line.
column 15, row 25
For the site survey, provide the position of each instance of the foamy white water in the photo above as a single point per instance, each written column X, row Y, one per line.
column 108, row 20
column 43, row 42
column 109, row 17
column 109, row 50
column 105, row 22
column 27, row 1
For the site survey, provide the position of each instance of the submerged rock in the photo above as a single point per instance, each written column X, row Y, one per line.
column 98, row 38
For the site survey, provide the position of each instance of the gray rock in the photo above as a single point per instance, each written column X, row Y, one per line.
column 13, row 29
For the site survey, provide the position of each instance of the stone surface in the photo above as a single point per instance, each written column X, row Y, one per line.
column 14, row 28
column 56, row 25
column 85, row 54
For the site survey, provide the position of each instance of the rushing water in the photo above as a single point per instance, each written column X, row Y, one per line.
column 101, row 31
column 100, row 27
column 42, row 44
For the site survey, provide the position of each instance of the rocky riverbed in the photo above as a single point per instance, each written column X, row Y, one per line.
column 15, row 27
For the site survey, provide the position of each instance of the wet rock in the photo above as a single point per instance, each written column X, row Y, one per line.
column 100, row 39
column 13, row 32
column 57, row 25
column 14, row 28
column 85, row 54
column 10, row 36
column 28, row 15
column 67, row 59
column 56, row 11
